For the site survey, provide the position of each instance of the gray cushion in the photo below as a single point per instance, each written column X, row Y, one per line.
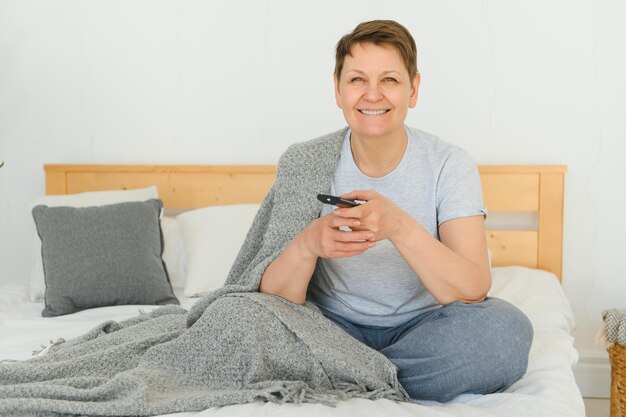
column 102, row 256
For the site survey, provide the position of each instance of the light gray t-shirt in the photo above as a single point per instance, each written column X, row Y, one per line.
column 434, row 182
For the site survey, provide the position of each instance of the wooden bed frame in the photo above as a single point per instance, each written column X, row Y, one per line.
column 507, row 188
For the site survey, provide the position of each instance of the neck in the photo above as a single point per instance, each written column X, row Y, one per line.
column 378, row 156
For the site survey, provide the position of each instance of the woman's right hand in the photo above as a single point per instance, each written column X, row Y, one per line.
column 324, row 238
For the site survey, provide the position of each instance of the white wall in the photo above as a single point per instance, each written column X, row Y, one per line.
column 154, row 81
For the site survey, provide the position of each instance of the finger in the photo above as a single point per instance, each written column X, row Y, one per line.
column 331, row 249
column 347, row 212
column 365, row 195
column 339, row 221
column 347, row 254
column 342, row 236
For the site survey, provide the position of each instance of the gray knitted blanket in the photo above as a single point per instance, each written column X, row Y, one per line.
column 236, row 345
column 613, row 328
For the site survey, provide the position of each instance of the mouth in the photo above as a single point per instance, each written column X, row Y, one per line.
column 373, row 112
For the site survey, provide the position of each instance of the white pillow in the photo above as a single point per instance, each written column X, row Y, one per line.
column 174, row 251
column 213, row 237
column 93, row 198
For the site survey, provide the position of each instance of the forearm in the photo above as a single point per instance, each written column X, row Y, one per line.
column 447, row 275
column 289, row 275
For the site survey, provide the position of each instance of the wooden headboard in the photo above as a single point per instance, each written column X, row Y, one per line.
column 534, row 189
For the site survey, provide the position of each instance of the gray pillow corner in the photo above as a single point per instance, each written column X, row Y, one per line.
column 38, row 211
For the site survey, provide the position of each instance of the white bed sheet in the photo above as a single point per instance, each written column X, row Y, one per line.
column 548, row 389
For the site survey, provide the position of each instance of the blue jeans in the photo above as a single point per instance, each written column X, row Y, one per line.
column 459, row 348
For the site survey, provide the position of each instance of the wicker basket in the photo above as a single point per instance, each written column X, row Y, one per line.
column 617, row 357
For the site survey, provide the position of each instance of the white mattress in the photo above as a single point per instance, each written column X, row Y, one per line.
column 548, row 389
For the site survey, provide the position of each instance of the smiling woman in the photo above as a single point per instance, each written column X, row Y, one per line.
column 415, row 252
column 375, row 91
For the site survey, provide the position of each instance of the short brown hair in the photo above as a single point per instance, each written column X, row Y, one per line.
column 379, row 32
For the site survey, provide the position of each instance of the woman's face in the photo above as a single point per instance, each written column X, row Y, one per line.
column 375, row 90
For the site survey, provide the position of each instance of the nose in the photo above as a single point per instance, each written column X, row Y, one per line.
column 373, row 93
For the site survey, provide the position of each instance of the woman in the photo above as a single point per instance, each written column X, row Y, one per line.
column 407, row 272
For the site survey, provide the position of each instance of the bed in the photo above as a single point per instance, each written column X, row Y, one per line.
column 524, row 234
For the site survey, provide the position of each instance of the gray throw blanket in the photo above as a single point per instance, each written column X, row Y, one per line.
column 613, row 329
column 236, row 345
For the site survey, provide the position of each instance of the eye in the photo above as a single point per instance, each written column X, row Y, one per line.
column 390, row 80
column 356, row 79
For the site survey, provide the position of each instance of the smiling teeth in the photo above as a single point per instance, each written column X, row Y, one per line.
column 373, row 112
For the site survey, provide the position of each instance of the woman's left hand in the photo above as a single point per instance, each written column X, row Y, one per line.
column 378, row 215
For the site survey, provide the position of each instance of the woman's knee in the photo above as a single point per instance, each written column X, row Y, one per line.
column 502, row 354
column 489, row 353
column 510, row 328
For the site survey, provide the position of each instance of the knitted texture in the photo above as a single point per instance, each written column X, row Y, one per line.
column 235, row 345
column 614, row 327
